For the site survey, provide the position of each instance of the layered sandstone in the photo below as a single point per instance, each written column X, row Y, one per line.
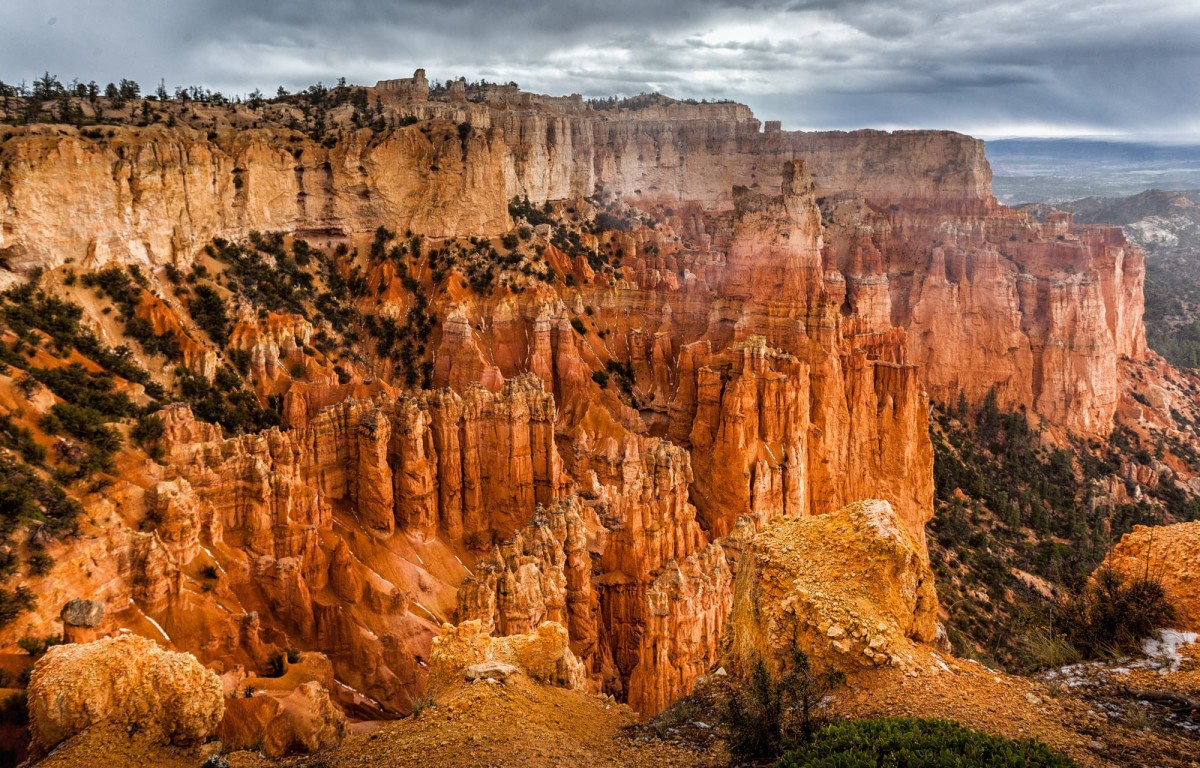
column 1039, row 312
column 157, row 196
column 624, row 566
column 174, row 189
column 299, row 522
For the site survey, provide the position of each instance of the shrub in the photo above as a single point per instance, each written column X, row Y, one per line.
column 14, row 709
column 478, row 540
column 14, row 603
column 422, row 703
column 36, row 646
column 80, row 387
column 208, row 310
column 40, row 562
column 1111, row 614
column 81, row 422
column 917, row 743
column 117, row 285
column 148, row 430
column 275, row 666
column 577, row 324
column 227, row 403
column 766, row 713
column 16, row 436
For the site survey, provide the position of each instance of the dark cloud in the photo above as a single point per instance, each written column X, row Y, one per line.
column 1022, row 66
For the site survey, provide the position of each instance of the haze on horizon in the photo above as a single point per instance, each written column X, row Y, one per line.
column 1123, row 68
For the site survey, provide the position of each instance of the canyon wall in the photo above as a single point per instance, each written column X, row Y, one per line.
column 782, row 309
column 1040, row 312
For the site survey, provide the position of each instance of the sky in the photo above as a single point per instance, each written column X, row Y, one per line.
column 1126, row 68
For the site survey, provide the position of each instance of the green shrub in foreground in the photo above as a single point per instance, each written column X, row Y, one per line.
column 917, row 743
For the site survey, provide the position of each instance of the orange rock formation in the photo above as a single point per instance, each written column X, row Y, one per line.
column 784, row 325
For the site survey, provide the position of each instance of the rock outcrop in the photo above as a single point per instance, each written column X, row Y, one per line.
column 544, row 655
column 127, row 680
column 287, row 714
column 1169, row 554
column 851, row 589
column 81, row 620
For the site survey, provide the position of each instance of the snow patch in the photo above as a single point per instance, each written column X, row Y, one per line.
column 156, row 626
column 1166, row 646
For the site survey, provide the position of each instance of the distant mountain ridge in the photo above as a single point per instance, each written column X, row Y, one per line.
column 1061, row 170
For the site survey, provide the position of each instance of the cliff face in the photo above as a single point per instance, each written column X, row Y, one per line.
column 157, row 195
column 758, row 339
column 1040, row 312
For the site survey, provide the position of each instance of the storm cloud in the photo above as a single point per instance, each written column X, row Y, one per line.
column 1022, row 67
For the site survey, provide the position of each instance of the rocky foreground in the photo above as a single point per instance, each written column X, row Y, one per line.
column 522, row 700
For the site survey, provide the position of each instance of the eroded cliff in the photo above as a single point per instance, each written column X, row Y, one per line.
column 608, row 344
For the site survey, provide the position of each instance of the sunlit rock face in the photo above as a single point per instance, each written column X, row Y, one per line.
column 777, row 336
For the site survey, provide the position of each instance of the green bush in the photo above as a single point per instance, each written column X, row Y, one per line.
column 208, row 310
column 40, row 562
column 81, row 422
column 85, row 389
column 20, row 438
column 917, row 743
column 14, row 709
column 15, row 602
column 226, row 402
column 36, row 646
column 148, row 430
column 1111, row 614
column 275, row 667
column 767, row 713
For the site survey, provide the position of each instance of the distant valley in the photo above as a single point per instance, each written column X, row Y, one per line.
column 1058, row 170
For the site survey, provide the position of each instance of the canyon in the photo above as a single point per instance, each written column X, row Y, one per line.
column 705, row 324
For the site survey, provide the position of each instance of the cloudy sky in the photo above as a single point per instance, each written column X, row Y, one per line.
column 1018, row 67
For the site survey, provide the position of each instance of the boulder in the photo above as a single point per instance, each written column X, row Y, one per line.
column 127, row 680
column 543, row 655
column 852, row 589
column 308, row 721
column 290, row 714
column 82, row 620
column 82, row 613
column 490, row 670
